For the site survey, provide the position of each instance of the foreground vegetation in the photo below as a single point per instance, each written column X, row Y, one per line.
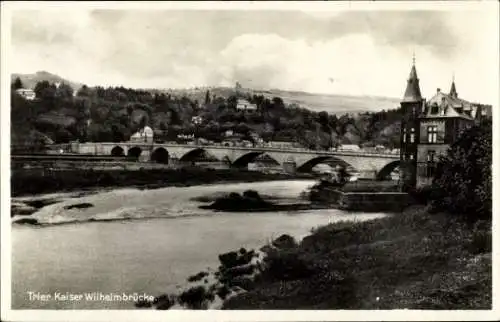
column 413, row 260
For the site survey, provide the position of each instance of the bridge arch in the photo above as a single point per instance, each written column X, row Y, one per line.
column 387, row 169
column 311, row 163
column 117, row 151
column 160, row 155
column 134, row 152
column 246, row 158
column 193, row 154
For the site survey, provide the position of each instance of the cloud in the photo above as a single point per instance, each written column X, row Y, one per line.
column 364, row 52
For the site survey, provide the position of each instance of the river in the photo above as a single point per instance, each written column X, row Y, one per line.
column 167, row 240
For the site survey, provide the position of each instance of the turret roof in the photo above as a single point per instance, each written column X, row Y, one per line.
column 412, row 92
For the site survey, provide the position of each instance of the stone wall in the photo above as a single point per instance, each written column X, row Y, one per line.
column 373, row 201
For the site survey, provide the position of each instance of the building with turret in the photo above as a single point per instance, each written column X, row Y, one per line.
column 429, row 127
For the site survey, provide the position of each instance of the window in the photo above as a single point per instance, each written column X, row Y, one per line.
column 430, row 156
column 404, row 135
column 432, row 134
column 431, row 165
column 434, row 108
column 412, row 135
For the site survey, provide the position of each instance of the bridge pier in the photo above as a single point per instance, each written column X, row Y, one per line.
column 290, row 167
column 174, row 161
column 145, row 156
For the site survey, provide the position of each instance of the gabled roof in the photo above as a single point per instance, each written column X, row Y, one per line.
column 445, row 105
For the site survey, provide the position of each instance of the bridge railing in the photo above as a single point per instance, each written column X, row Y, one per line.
column 251, row 148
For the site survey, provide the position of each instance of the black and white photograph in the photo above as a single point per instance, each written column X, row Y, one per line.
column 249, row 161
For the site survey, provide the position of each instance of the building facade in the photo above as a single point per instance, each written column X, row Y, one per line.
column 28, row 94
column 243, row 104
column 144, row 135
column 428, row 128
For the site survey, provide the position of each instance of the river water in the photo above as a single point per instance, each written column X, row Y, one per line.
column 167, row 240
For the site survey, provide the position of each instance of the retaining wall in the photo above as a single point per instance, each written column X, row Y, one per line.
column 373, row 201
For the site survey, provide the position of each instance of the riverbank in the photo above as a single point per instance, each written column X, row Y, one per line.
column 412, row 260
column 32, row 182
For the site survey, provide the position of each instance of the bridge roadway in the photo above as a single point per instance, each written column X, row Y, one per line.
column 291, row 159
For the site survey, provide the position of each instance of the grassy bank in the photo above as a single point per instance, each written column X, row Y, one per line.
column 413, row 260
column 27, row 182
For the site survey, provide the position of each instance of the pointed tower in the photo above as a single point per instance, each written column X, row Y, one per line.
column 453, row 90
column 411, row 107
column 412, row 92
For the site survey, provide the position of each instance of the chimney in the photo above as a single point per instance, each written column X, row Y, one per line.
column 439, row 90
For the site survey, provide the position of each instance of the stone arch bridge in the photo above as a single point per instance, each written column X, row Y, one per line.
column 377, row 165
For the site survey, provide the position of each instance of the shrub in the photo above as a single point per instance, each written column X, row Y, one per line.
column 197, row 277
column 480, row 241
column 285, row 265
column 463, row 179
column 196, row 297
column 223, row 291
column 284, row 241
column 164, row 302
column 423, row 195
column 232, row 259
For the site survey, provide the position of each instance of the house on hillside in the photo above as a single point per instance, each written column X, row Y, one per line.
column 28, row 94
column 243, row 104
column 145, row 135
column 232, row 139
column 256, row 138
column 429, row 128
column 349, row 147
column 283, row 144
column 197, row 120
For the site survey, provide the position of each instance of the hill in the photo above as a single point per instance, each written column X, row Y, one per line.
column 30, row 80
column 330, row 103
column 114, row 113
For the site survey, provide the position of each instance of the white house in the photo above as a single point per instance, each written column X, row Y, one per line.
column 28, row 94
column 197, row 120
column 143, row 135
column 243, row 104
column 349, row 147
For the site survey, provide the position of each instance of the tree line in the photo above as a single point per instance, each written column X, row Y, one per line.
column 114, row 113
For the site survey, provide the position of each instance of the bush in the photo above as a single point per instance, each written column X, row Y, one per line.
column 196, row 297
column 463, row 179
column 423, row 195
column 480, row 241
column 197, row 277
column 285, row 265
column 164, row 302
column 223, row 291
column 284, row 242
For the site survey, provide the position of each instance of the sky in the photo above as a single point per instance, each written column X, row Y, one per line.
column 338, row 52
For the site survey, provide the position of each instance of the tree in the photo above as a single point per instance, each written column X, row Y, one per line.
column 207, row 97
column 17, row 84
column 40, row 87
column 64, row 90
column 463, row 181
column 83, row 91
column 278, row 103
column 232, row 101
